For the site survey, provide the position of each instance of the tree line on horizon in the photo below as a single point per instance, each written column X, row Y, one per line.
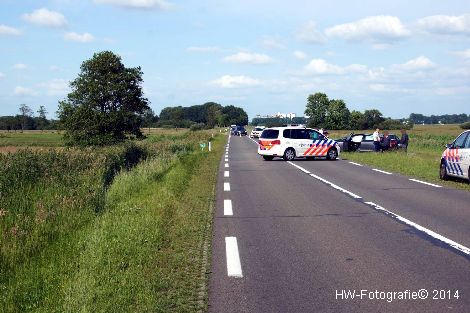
column 322, row 112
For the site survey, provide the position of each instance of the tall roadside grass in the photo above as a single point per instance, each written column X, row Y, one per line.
column 79, row 234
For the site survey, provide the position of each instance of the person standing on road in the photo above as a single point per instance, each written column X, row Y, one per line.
column 376, row 137
column 404, row 140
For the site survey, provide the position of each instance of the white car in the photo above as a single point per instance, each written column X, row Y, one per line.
column 256, row 132
column 455, row 160
column 291, row 142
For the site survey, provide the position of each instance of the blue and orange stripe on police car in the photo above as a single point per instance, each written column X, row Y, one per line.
column 319, row 147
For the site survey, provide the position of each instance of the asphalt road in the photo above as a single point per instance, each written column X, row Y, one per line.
column 304, row 236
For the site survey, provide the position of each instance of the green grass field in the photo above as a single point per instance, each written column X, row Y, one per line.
column 75, row 241
column 31, row 139
column 427, row 142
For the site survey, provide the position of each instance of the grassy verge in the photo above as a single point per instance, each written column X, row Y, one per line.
column 144, row 253
column 140, row 253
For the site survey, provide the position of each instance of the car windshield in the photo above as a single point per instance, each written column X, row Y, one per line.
column 270, row 133
column 258, row 129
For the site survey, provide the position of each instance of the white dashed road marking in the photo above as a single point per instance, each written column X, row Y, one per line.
column 226, row 164
column 354, row 163
column 228, row 207
column 380, row 171
column 426, row 183
column 226, row 186
column 234, row 267
column 226, row 174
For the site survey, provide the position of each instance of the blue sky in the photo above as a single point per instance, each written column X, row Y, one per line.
column 265, row 56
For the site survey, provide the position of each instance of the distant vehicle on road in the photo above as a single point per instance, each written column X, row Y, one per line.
column 256, row 132
column 240, row 131
column 365, row 142
column 455, row 160
column 291, row 142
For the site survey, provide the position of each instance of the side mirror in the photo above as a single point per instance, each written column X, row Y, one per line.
column 449, row 146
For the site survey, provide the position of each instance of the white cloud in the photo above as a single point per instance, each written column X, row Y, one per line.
column 446, row 24
column 272, row 43
column 54, row 68
column 374, row 28
column 138, row 4
column 309, row 33
column 202, row 49
column 418, row 64
column 85, row 37
column 229, row 81
column 463, row 54
column 299, row 55
column 248, row 58
column 7, row 30
column 56, row 87
column 23, row 91
column 321, row 67
column 20, row 66
column 46, row 17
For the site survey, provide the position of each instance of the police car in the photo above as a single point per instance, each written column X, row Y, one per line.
column 256, row 132
column 455, row 160
column 291, row 142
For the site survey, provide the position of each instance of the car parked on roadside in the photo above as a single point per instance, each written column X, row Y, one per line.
column 365, row 142
column 291, row 142
column 256, row 132
column 455, row 160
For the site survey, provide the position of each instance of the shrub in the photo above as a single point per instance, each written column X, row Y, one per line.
column 198, row 126
column 465, row 125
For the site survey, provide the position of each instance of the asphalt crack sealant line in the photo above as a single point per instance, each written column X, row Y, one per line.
column 461, row 249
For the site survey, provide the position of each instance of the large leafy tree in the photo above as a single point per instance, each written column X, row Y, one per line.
column 106, row 102
column 317, row 108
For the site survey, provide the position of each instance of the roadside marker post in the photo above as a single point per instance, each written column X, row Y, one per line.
column 209, row 146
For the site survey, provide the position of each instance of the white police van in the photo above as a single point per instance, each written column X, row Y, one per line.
column 291, row 142
column 455, row 160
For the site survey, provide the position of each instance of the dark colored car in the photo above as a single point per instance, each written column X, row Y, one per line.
column 365, row 142
column 240, row 131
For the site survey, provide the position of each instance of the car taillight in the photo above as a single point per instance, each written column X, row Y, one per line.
column 275, row 142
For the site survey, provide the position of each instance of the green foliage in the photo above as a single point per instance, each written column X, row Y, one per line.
column 465, row 125
column 442, row 119
column 199, row 126
column 210, row 114
column 316, row 110
column 61, row 252
column 105, row 104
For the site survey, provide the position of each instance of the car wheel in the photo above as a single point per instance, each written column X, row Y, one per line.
column 332, row 154
column 443, row 171
column 289, row 154
column 268, row 157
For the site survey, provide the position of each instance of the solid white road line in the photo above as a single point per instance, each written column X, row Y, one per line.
column 226, row 174
column 406, row 221
column 228, row 207
column 336, row 187
column 234, row 267
column 299, row 167
column 426, row 183
column 226, row 164
column 354, row 163
column 326, row 182
column 425, row 230
column 226, row 186
column 380, row 171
